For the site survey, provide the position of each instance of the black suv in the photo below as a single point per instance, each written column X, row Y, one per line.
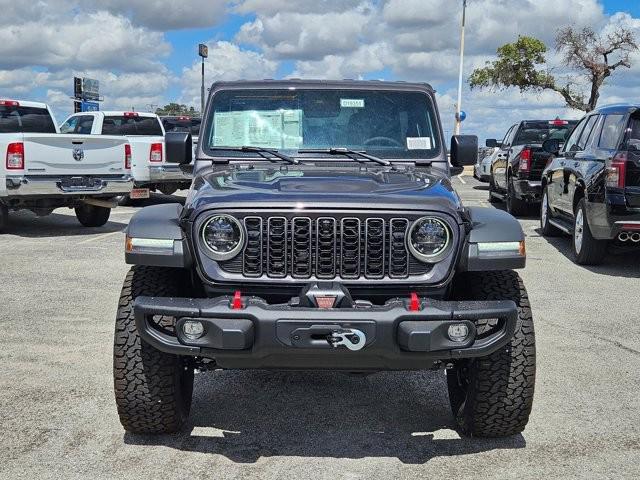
column 517, row 167
column 322, row 231
column 592, row 186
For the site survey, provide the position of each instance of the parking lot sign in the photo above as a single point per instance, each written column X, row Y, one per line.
column 90, row 106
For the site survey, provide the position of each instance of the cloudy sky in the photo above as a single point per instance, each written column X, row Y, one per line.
column 144, row 51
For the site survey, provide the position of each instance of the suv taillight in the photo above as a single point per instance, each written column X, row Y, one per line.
column 127, row 156
column 525, row 160
column 617, row 171
column 15, row 156
column 155, row 155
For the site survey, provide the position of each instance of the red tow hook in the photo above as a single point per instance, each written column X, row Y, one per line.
column 236, row 303
column 414, row 302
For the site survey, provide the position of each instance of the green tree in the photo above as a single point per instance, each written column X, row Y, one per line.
column 177, row 109
column 523, row 64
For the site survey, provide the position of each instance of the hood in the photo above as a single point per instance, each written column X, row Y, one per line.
column 323, row 186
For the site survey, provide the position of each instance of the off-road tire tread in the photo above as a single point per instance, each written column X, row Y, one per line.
column 593, row 251
column 148, row 392
column 500, row 395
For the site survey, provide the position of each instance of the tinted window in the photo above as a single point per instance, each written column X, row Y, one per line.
column 633, row 135
column 572, row 143
column 121, row 125
column 26, row 120
column 81, row 125
column 538, row 132
column 586, row 133
column 505, row 140
column 611, row 131
column 181, row 124
column 392, row 124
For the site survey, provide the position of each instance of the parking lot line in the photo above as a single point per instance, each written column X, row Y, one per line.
column 100, row 237
column 459, row 177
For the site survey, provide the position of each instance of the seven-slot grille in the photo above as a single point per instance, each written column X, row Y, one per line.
column 326, row 247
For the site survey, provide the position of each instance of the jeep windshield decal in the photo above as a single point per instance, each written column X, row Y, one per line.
column 383, row 123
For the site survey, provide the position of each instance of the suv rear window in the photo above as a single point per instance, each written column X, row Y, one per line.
column 538, row 132
column 121, row 125
column 15, row 119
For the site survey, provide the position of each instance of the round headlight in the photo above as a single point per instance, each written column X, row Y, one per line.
column 429, row 239
column 223, row 236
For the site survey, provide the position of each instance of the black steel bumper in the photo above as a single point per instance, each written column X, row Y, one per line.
column 265, row 336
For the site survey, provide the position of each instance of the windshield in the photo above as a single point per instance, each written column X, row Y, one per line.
column 387, row 124
column 14, row 119
column 538, row 132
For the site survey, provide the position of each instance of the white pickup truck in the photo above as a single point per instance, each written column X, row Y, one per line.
column 146, row 133
column 44, row 170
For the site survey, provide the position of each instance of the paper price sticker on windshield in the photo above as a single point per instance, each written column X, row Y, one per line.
column 418, row 143
column 352, row 103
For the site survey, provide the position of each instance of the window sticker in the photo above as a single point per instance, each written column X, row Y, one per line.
column 352, row 103
column 418, row 143
column 258, row 128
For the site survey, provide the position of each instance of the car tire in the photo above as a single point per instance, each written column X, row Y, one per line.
column 492, row 189
column 515, row 206
column 4, row 218
column 92, row 216
column 492, row 396
column 546, row 228
column 168, row 189
column 586, row 249
column 153, row 389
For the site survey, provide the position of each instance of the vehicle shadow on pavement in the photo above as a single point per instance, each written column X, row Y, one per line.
column 619, row 262
column 246, row 415
column 154, row 199
column 27, row 224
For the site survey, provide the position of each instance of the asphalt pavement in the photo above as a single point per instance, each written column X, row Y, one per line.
column 59, row 288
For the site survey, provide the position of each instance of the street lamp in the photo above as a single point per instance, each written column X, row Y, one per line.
column 203, row 51
column 459, row 104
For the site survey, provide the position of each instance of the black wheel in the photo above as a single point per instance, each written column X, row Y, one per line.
column 586, row 249
column 92, row 216
column 153, row 389
column 515, row 206
column 168, row 189
column 546, row 228
column 492, row 396
column 4, row 218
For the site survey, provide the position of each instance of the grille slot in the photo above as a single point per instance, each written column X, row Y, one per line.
column 398, row 256
column 374, row 248
column 252, row 255
column 301, row 254
column 277, row 247
column 326, row 240
column 350, row 248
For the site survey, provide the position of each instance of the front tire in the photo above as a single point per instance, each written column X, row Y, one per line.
column 153, row 389
column 492, row 396
column 92, row 216
column 4, row 218
column 586, row 249
column 492, row 189
column 546, row 228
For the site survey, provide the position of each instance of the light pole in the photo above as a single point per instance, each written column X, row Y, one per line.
column 203, row 51
column 459, row 104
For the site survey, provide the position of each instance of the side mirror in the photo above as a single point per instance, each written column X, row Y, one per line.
column 464, row 150
column 491, row 143
column 179, row 147
column 552, row 145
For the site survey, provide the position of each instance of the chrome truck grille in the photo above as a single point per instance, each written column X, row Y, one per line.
column 325, row 247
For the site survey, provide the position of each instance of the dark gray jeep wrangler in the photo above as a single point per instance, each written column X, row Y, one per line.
column 322, row 231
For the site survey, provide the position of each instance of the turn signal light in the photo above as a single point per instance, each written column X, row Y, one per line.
column 155, row 155
column 15, row 156
column 127, row 156
column 617, row 171
column 525, row 160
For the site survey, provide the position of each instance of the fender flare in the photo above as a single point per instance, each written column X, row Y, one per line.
column 161, row 243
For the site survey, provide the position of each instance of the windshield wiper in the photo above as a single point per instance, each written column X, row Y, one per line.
column 348, row 153
column 266, row 153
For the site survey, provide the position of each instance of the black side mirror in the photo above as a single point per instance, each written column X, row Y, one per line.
column 464, row 150
column 179, row 147
column 552, row 145
column 491, row 143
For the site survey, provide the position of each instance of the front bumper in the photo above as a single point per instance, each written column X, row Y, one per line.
column 68, row 186
column 528, row 190
column 168, row 173
column 284, row 337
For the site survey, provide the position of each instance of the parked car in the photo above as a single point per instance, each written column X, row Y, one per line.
column 145, row 132
column 44, row 170
column 182, row 124
column 517, row 168
column 322, row 232
column 592, row 185
column 482, row 168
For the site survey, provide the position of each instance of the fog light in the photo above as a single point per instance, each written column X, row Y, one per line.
column 192, row 329
column 458, row 332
